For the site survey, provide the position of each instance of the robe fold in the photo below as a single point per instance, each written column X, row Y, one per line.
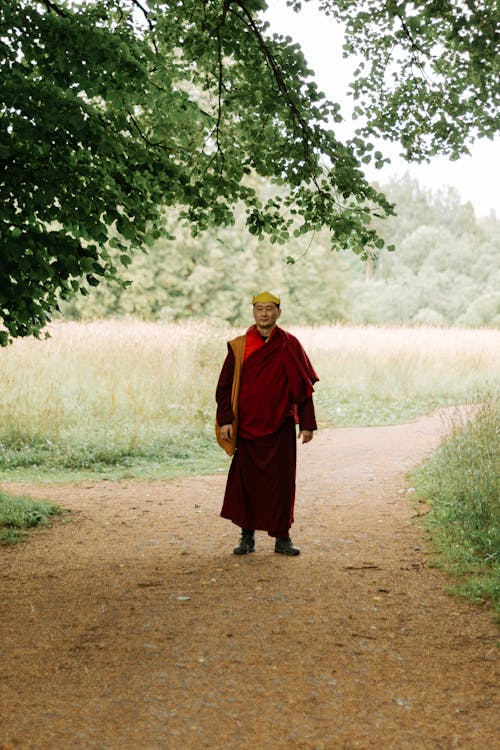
column 275, row 390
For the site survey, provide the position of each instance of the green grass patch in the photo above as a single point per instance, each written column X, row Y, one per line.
column 19, row 513
column 187, row 454
column 461, row 481
column 168, row 457
column 373, row 411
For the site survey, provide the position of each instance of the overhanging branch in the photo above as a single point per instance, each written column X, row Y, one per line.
column 55, row 8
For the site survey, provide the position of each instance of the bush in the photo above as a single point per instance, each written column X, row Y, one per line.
column 461, row 482
column 484, row 310
column 427, row 316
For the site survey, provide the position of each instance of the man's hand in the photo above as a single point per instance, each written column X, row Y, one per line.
column 306, row 435
column 226, row 432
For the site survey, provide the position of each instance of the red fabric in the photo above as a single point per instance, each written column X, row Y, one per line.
column 299, row 370
column 225, row 414
column 253, row 341
column 304, row 411
column 276, row 380
column 260, row 490
column 276, row 374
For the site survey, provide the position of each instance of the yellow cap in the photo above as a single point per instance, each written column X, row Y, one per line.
column 266, row 297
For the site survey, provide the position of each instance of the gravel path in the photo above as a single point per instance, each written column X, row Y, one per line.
column 130, row 625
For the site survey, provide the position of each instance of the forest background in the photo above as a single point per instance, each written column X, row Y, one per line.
column 445, row 271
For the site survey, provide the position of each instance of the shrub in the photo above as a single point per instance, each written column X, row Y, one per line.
column 461, row 482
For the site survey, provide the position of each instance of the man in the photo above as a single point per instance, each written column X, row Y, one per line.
column 264, row 389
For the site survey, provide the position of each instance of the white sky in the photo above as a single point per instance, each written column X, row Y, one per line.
column 476, row 177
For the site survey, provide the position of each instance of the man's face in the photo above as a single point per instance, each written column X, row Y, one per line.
column 266, row 314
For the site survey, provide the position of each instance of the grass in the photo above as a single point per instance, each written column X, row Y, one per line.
column 461, row 481
column 120, row 399
column 19, row 513
column 189, row 454
column 123, row 399
column 373, row 376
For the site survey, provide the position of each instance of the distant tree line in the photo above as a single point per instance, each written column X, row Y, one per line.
column 446, row 268
column 445, row 271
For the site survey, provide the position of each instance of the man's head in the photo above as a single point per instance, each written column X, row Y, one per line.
column 266, row 311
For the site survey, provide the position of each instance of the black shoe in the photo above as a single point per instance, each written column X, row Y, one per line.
column 286, row 547
column 246, row 544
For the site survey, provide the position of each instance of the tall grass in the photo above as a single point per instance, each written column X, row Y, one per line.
column 382, row 375
column 461, row 480
column 140, row 396
column 102, row 394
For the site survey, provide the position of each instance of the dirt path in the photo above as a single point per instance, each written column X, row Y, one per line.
column 131, row 626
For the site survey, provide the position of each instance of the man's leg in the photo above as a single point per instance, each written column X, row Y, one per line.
column 283, row 544
column 246, row 543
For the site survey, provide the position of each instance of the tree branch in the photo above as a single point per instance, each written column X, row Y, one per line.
column 220, row 81
column 53, row 7
column 416, row 48
column 143, row 10
column 149, row 22
column 307, row 135
column 152, row 144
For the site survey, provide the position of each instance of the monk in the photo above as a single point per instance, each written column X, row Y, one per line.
column 265, row 388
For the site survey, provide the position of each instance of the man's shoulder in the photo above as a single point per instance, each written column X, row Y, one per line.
column 242, row 336
column 237, row 346
column 289, row 337
column 238, row 340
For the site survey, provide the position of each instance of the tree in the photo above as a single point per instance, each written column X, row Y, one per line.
column 428, row 71
column 203, row 277
column 114, row 112
column 446, row 260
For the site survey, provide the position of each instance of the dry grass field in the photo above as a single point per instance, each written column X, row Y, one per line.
column 107, row 391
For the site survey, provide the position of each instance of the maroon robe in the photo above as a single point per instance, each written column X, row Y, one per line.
column 275, row 391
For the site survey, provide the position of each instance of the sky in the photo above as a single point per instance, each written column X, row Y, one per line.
column 475, row 177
